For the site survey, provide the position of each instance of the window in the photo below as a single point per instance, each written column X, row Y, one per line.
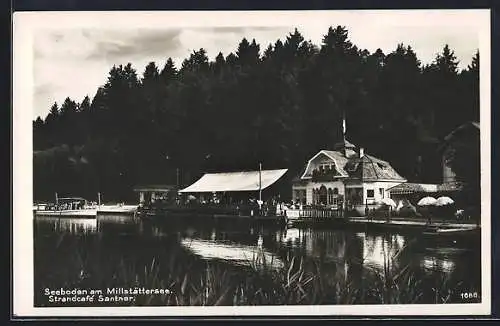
column 296, row 195
column 330, row 196
column 381, row 192
column 335, row 191
column 370, row 193
column 302, row 197
column 326, row 166
column 337, row 200
column 323, row 195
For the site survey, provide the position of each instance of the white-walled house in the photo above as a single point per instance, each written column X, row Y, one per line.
column 345, row 176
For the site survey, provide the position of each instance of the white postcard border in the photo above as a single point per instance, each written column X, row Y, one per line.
column 26, row 23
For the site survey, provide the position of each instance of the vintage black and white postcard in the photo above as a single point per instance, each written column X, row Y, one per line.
column 251, row 163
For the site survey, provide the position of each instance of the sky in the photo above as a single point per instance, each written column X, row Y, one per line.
column 72, row 53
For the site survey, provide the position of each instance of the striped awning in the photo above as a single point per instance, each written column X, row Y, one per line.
column 235, row 181
column 411, row 188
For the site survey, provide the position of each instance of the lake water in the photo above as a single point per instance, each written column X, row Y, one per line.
column 356, row 267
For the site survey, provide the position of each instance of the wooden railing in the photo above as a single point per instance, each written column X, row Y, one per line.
column 320, row 213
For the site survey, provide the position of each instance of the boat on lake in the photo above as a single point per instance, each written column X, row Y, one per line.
column 85, row 210
column 67, row 207
column 81, row 207
column 452, row 232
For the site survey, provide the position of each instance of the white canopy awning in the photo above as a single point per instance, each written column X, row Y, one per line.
column 234, row 181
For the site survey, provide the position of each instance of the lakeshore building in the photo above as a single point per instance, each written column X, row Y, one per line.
column 466, row 135
column 345, row 177
column 152, row 193
column 239, row 186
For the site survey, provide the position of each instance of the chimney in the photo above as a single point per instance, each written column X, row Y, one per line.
column 361, row 152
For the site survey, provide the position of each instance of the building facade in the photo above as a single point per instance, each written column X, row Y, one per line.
column 468, row 134
column 345, row 176
column 150, row 193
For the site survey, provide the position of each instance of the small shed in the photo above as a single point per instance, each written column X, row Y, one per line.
column 412, row 192
column 152, row 193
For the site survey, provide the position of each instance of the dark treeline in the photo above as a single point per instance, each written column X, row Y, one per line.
column 277, row 105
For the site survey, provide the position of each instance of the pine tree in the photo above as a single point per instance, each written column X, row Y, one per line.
column 197, row 62
column 231, row 59
column 169, row 72
column 247, row 53
column 84, row 106
column 151, row 74
column 53, row 114
column 268, row 52
column 442, row 85
column 219, row 63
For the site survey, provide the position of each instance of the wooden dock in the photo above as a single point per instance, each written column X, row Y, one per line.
column 393, row 224
column 312, row 219
column 209, row 216
column 117, row 209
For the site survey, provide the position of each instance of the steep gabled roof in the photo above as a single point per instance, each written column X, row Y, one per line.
column 338, row 158
column 368, row 167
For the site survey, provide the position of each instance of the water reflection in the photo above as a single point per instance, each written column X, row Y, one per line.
column 291, row 237
column 432, row 264
column 241, row 254
column 378, row 250
column 117, row 224
column 69, row 225
column 344, row 253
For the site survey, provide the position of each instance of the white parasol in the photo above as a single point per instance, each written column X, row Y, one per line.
column 388, row 202
column 444, row 201
column 427, row 201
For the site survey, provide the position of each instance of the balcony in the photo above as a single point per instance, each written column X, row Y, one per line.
column 324, row 174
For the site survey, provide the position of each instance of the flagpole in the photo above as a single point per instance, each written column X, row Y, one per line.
column 344, row 127
column 260, row 181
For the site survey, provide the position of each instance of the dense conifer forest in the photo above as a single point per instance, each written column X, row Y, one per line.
column 277, row 104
